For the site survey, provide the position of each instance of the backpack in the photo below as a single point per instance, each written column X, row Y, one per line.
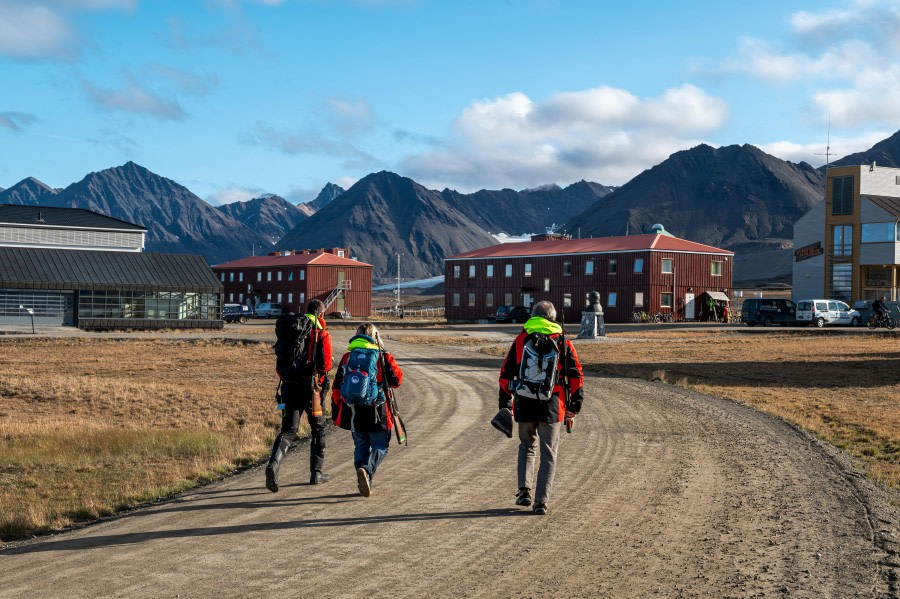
column 360, row 385
column 539, row 368
column 292, row 332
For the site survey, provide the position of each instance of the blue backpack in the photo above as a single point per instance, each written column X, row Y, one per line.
column 360, row 385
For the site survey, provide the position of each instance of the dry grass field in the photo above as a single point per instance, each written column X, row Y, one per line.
column 92, row 426
column 844, row 386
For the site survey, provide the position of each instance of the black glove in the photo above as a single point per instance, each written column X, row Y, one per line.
column 504, row 401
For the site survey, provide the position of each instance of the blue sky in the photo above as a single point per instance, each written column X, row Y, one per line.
column 238, row 98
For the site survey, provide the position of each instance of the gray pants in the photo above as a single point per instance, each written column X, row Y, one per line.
column 529, row 432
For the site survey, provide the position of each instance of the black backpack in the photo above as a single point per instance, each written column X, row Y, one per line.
column 292, row 359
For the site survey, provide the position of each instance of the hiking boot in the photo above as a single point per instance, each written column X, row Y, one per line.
column 540, row 508
column 319, row 478
column 523, row 497
column 272, row 479
column 363, row 482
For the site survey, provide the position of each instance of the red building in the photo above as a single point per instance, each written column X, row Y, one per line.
column 294, row 277
column 651, row 273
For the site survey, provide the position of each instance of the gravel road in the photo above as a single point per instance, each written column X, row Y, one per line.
column 660, row 492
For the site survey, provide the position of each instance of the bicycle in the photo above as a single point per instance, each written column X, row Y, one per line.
column 663, row 317
column 886, row 321
column 641, row 317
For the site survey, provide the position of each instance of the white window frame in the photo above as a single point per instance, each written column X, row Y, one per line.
column 712, row 268
column 638, row 299
column 662, row 266
column 638, row 266
column 528, row 269
column 589, row 267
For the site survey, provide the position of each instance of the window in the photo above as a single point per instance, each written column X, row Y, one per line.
column 843, row 240
column 715, row 268
column 489, row 300
column 302, row 297
column 589, row 267
column 302, row 275
column 279, row 275
column 567, row 300
column 507, row 298
column 241, row 277
column 528, row 269
column 611, row 269
column 455, row 299
column 567, row 269
column 509, row 270
column 638, row 265
column 240, row 298
column 471, row 299
column 268, row 275
column 290, row 275
column 258, row 276
column 290, row 298
column 249, row 288
column 471, row 271
column 667, row 266
column 340, row 253
column 638, row 299
column 230, row 297
column 490, row 271
column 665, row 299
column 611, row 302
column 880, row 232
column 842, row 195
column 279, row 298
column 456, row 271
column 231, row 277
column 268, row 297
column 546, row 284
column 222, row 276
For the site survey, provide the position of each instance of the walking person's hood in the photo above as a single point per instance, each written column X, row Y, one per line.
column 539, row 324
column 362, row 342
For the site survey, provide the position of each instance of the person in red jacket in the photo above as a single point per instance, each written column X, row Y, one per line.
column 540, row 412
column 297, row 396
column 370, row 425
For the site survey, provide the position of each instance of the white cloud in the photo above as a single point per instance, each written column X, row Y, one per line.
column 845, row 60
column 604, row 134
column 230, row 195
column 135, row 99
column 41, row 29
column 33, row 31
column 815, row 153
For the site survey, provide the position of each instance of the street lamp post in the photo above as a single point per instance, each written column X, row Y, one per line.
column 30, row 313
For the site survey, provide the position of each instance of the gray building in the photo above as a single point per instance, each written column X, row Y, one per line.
column 63, row 266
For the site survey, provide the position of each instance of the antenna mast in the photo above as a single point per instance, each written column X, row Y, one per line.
column 827, row 153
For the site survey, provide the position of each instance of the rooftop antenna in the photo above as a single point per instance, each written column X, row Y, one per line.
column 827, row 153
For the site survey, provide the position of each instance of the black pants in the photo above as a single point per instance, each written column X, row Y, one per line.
column 298, row 398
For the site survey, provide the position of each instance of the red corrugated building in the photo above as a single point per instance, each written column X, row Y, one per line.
column 294, row 277
column 651, row 273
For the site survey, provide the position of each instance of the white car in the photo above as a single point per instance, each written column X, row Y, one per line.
column 821, row 312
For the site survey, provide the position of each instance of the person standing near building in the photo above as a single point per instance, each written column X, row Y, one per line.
column 298, row 397
column 370, row 425
column 531, row 383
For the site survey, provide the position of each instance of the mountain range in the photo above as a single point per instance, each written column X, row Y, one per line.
column 735, row 197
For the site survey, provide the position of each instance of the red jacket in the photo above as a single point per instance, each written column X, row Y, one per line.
column 365, row 418
column 534, row 410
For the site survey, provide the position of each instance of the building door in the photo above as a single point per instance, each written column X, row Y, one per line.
column 340, row 298
column 689, row 306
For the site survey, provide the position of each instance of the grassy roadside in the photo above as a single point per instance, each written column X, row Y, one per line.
column 92, row 426
column 843, row 387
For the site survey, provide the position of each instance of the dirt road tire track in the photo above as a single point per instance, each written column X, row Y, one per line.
column 660, row 492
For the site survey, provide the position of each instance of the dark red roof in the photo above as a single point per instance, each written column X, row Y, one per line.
column 281, row 261
column 626, row 243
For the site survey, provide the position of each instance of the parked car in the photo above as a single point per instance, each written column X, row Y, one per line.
column 512, row 314
column 864, row 307
column 765, row 311
column 269, row 310
column 821, row 312
column 236, row 313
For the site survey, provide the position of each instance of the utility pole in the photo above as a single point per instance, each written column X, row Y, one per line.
column 397, row 303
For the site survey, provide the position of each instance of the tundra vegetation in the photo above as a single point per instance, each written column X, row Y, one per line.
column 92, row 426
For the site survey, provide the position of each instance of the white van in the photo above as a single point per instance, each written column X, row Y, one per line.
column 269, row 310
column 821, row 312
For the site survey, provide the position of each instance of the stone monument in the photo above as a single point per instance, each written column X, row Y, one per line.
column 592, row 325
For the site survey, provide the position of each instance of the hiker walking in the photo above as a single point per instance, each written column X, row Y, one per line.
column 359, row 401
column 302, row 387
column 531, row 383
